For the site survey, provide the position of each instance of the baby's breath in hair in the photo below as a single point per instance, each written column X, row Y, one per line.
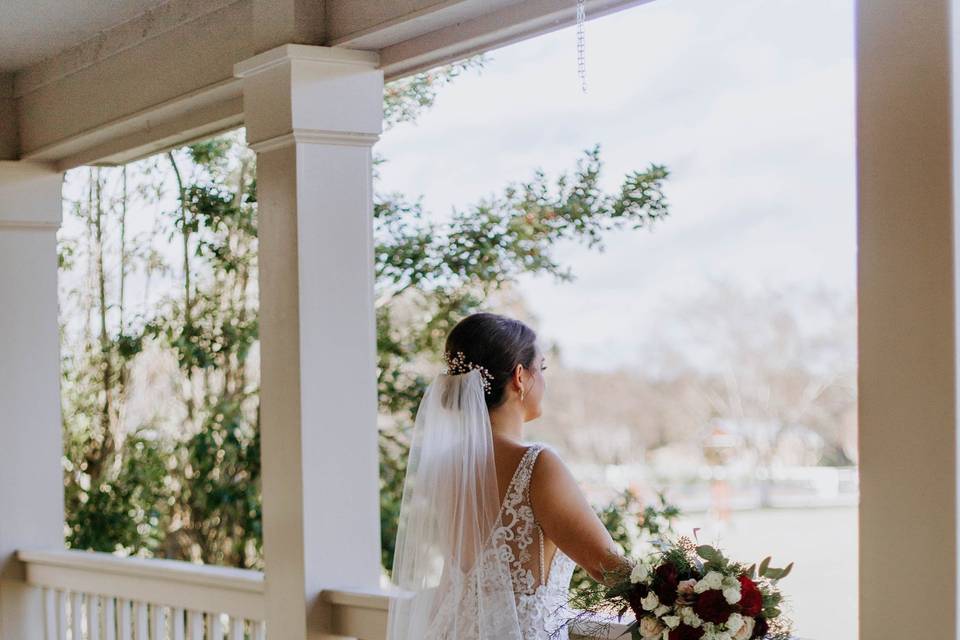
column 457, row 364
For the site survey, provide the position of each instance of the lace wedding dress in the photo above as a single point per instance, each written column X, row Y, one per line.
column 469, row 565
column 541, row 595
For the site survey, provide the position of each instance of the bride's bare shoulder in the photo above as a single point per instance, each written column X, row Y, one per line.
column 550, row 469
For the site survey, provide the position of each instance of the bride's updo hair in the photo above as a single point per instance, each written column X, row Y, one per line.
column 495, row 342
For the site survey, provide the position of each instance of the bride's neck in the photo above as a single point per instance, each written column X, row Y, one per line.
column 509, row 427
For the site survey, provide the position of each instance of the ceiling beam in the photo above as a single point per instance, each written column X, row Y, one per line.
column 510, row 24
column 166, row 77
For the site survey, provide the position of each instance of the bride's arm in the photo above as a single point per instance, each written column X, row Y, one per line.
column 570, row 522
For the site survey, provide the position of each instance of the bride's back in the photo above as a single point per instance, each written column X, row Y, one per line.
column 532, row 552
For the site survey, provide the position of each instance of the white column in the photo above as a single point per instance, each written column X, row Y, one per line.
column 312, row 114
column 907, row 261
column 31, row 476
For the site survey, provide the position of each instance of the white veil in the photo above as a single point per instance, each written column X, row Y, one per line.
column 456, row 579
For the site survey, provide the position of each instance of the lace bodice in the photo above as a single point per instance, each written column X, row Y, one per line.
column 541, row 591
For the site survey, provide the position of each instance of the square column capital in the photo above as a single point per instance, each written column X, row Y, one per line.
column 304, row 93
column 30, row 194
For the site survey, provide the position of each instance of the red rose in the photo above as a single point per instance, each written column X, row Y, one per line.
column 751, row 601
column 665, row 581
column 713, row 607
column 637, row 593
column 685, row 632
column 759, row 628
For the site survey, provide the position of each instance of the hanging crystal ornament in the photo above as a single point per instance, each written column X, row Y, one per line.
column 581, row 49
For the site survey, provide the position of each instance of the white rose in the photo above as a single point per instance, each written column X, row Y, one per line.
column 713, row 580
column 744, row 632
column 640, row 572
column 731, row 581
column 650, row 627
column 713, row 631
column 731, row 589
column 690, row 618
column 672, row 621
column 662, row 609
column 731, row 595
column 650, row 602
column 734, row 622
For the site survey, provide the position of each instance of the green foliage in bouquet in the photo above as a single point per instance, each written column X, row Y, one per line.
column 683, row 591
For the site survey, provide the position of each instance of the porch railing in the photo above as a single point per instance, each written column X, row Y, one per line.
column 98, row 596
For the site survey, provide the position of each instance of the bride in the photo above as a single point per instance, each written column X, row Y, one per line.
column 490, row 527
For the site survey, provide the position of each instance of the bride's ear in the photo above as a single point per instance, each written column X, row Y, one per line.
column 518, row 376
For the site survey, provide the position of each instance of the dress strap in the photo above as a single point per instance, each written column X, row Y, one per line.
column 529, row 459
column 540, row 531
column 533, row 452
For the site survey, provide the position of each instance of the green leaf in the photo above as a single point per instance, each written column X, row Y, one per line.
column 786, row 570
column 710, row 554
column 764, row 564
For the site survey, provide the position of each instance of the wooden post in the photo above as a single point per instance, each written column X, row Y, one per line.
column 31, row 474
column 312, row 115
column 906, row 156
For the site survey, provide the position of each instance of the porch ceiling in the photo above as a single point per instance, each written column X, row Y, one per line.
column 108, row 81
column 36, row 29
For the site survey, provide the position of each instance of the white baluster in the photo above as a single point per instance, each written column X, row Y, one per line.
column 76, row 615
column 49, row 614
column 140, row 617
column 93, row 617
column 216, row 627
column 61, row 615
column 158, row 616
column 259, row 630
column 195, row 624
column 109, row 620
column 124, row 605
column 177, row 624
column 236, row 628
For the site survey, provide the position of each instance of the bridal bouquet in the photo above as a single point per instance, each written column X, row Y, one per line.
column 687, row 592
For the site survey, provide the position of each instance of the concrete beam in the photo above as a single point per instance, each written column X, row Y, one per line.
column 279, row 22
column 119, row 93
column 443, row 32
column 166, row 77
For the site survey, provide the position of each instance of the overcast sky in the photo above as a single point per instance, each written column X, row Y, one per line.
column 748, row 102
